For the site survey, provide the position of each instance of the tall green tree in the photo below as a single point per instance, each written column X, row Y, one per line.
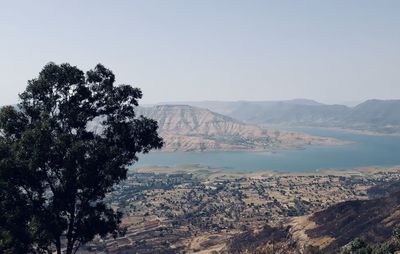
column 62, row 149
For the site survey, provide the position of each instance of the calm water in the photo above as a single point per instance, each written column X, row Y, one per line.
column 366, row 151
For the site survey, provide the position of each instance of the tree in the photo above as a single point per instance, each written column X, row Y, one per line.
column 62, row 149
column 14, row 235
column 396, row 232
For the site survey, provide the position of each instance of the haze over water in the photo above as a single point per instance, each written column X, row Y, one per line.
column 367, row 150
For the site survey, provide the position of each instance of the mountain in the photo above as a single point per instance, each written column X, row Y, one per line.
column 373, row 115
column 326, row 231
column 231, row 108
column 188, row 120
column 384, row 111
column 187, row 128
column 377, row 115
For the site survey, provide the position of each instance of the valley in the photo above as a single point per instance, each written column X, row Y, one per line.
column 200, row 210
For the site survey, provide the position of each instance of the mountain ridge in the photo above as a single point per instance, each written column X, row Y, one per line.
column 381, row 116
column 188, row 128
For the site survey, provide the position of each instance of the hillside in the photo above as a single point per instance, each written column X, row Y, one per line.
column 187, row 120
column 328, row 230
column 376, row 115
column 373, row 115
column 187, row 128
column 372, row 220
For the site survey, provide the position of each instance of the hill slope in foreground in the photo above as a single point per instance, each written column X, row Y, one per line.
column 187, row 128
column 326, row 231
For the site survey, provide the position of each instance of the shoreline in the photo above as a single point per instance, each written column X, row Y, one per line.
column 348, row 130
column 294, row 147
column 197, row 168
column 281, row 140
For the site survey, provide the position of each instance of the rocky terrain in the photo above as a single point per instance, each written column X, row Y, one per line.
column 201, row 210
column 382, row 116
column 187, row 128
column 328, row 230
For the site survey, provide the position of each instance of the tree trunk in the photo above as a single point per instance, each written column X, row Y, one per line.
column 58, row 246
column 70, row 246
column 70, row 238
column 69, row 250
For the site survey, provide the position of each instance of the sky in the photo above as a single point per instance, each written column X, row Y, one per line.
column 186, row 50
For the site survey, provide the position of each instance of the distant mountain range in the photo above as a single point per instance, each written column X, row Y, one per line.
column 381, row 116
column 187, row 128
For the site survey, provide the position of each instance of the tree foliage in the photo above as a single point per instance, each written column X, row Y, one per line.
column 358, row 246
column 62, row 149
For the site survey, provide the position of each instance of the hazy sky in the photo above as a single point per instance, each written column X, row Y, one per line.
column 331, row 51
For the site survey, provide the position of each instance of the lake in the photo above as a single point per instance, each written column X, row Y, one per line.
column 367, row 150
